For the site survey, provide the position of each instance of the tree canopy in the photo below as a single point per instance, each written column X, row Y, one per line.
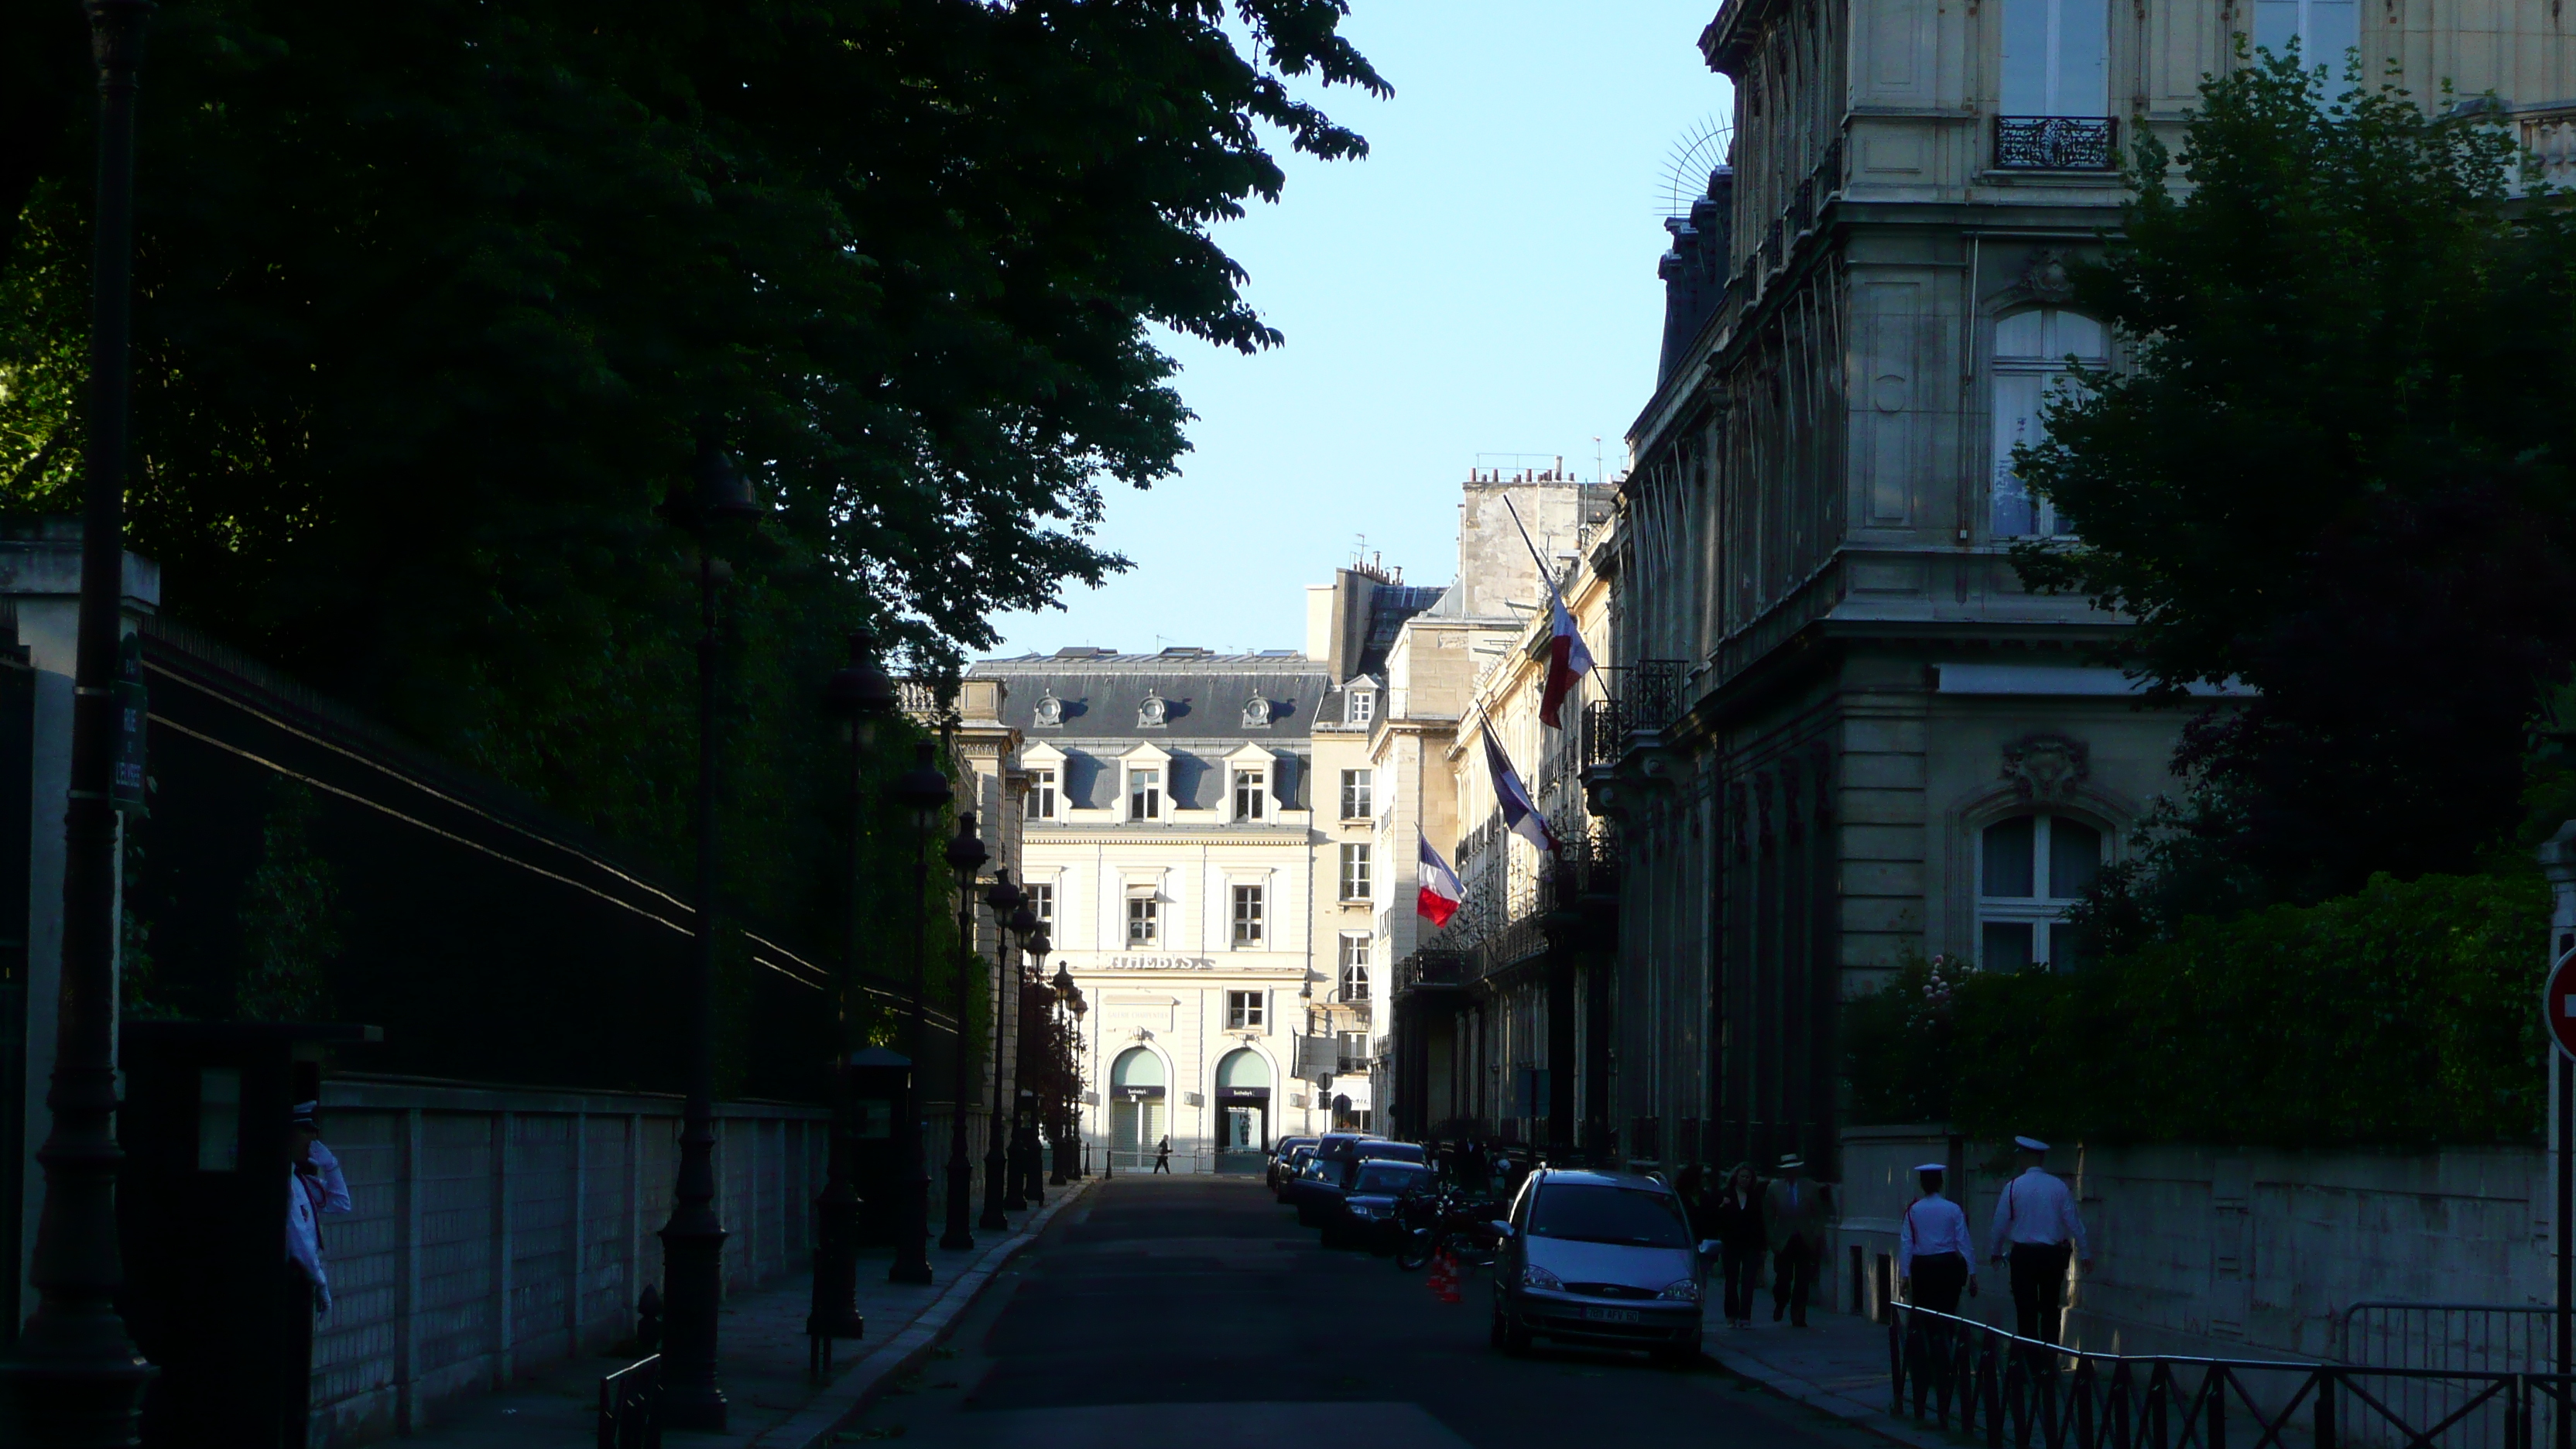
column 436, row 303
column 2336, row 470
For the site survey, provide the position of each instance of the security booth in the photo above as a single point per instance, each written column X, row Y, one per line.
column 213, row 1302
column 880, row 1081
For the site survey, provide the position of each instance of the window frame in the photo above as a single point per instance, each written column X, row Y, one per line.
column 1359, row 853
column 2042, row 910
column 1041, row 899
column 1247, row 1010
column 1042, row 792
column 1354, row 964
column 1251, row 786
column 1246, row 930
column 1150, row 916
column 2053, row 99
column 2006, row 429
column 1359, row 707
column 1145, row 781
column 1359, row 787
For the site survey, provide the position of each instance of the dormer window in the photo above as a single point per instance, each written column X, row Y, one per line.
column 1256, row 713
column 1050, row 712
column 1149, row 715
column 1145, row 793
column 1359, row 706
column 1251, row 790
column 1042, row 794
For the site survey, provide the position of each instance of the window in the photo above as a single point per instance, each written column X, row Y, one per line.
column 1355, row 873
column 1144, row 794
column 2057, row 57
column 1243, row 1011
column 1042, row 906
column 1355, row 795
column 1142, row 919
column 1359, row 706
column 2323, row 30
column 2031, row 349
column 1249, row 790
column 1355, row 967
column 2028, row 869
column 1041, row 794
column 1247, row 916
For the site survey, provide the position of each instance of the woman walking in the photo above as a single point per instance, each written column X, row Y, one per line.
column 1735, row 1220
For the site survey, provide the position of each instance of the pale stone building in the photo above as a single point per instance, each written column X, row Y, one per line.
column 1851, row 736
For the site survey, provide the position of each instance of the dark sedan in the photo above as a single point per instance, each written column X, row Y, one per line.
column 1277, row 1171
column 1364, row 1216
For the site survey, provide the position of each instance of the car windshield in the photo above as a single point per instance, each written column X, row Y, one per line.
column 1392, row 1151
column 1585, row 1213
column 1390, row 1177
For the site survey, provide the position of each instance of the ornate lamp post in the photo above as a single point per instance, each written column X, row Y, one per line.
column 864, row 696
column 1082, row 1160
column 965, row 856
column 693, row 1239
column 1010, row 915
column 76, row 1377
column 1067, row 999
column 923, row 793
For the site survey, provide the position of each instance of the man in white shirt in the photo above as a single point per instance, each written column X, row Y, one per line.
column 1933, row 1248
column 314, row 1186
column 2037, row 1229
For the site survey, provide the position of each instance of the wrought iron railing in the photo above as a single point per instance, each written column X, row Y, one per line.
column 1992, row 1386
column 1605, row 732
column 1430, row 968
column 630, row 1406
column 2056, row 143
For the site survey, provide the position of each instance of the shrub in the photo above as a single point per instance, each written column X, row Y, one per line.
column 2404, row 1014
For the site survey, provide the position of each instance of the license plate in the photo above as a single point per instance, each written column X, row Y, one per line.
column 1610, row 1315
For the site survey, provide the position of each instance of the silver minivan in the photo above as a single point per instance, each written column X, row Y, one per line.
column 1603, row 1259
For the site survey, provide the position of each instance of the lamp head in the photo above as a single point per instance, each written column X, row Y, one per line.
column 724, row 495
column 1038, row 945
column 862, row 693
column 922, row 791
column 965, row 851
column 1003, row 896
column 1063, row 984
column 1023, row 922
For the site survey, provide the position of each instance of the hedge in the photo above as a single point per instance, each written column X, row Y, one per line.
column 2407, row 1014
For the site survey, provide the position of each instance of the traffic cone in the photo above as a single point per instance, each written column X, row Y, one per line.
column 1444, row 1280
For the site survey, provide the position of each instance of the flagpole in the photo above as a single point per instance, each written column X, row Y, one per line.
column 1544, row 574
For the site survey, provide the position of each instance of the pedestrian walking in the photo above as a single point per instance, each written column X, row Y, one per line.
column 1735, row 1220
column 2036, row 1230
column 1793, row 1218
column 1933, row 1249
column 1163, row 1155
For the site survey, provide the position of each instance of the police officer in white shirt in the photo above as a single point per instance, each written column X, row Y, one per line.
column 1933, row 1249
column 2037, row 1225
column 314, row 1186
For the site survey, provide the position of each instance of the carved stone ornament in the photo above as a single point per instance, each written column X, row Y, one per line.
column 1149, row 715
column 1050, row 709
column 2047, row 767
column 1256, row 713
column 2046, row 278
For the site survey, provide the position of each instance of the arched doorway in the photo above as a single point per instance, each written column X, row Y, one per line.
column 1243, row 1093
column 1137, row 1111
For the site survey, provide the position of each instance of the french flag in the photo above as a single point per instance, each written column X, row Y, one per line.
column 1567, row 659
column 1440, row 894
column 1520, row 815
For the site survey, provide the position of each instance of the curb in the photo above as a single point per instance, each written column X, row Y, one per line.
column 814, row 1425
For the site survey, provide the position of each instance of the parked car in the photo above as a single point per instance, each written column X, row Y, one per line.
column 1288, row 1169
column 1365, row 1214
column 1279, row 1155
column 1332, row 1150
column 1598, row 1258
column 1326, row 1180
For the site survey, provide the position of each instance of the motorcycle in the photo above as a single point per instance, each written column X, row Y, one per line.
column 1448, row 1221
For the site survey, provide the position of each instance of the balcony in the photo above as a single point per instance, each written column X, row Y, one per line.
column 2056, row 143
column 2548, row 133
column 1625, row 737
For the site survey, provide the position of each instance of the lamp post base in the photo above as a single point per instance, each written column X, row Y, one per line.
column 961, row 1190
column 994, row 1203
column 692, row 1284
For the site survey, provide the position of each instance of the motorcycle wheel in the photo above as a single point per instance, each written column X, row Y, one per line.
column 1414, row 1250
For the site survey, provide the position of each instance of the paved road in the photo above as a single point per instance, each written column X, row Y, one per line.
column 1170, row 1312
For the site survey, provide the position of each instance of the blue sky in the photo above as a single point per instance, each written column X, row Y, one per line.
column 1483, row 284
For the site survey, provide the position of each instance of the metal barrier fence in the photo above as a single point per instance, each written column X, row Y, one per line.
column 630, row 1406
column 2451, row 1337
column 1992, row 1385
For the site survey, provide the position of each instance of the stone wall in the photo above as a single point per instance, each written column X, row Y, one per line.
column 2225, row 1250
column 496, row 1231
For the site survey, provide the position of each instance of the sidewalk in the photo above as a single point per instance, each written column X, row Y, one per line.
column 1838, row 1365
column 762, row 1358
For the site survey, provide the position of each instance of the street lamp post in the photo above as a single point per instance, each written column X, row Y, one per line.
column 1067, row 998
column 863, row 695
column 1010, row 916
column 922, row 792
column 966, row 856
column 76, row 1377
column 693, row 1238
column 1076, row 1051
